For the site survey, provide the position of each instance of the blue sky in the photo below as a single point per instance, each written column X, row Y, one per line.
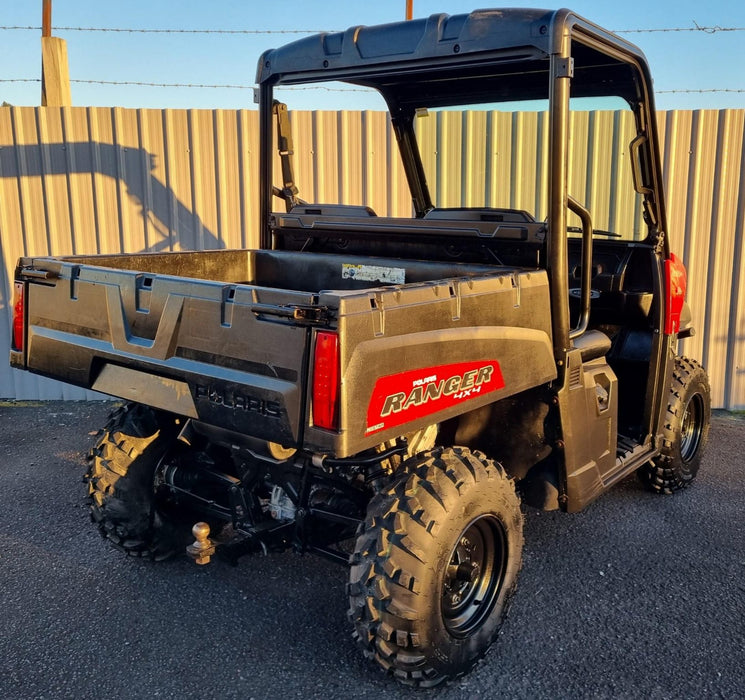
column 679, row 60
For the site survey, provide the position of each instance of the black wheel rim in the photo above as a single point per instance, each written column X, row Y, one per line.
column 474, row 575
column 691, row 428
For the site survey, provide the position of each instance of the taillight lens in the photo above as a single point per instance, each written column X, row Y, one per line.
column 326, row 381
column 675, row 280
column 18, row 316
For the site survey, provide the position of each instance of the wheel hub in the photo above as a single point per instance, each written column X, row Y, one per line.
column 474, row 575
column 691, row 428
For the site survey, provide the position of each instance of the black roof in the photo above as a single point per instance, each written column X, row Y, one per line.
column 442, row 45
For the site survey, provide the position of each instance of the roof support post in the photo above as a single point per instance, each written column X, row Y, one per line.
column 557, row 186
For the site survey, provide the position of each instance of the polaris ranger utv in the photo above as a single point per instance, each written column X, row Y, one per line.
column 401, row 383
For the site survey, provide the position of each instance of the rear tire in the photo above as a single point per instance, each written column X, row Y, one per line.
column 120, row 482
column 685, row 433
column 435, row 566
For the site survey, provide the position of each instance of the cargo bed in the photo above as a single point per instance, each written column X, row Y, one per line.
column 225, row 337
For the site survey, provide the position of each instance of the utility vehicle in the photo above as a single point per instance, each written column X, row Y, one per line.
column 401, row 383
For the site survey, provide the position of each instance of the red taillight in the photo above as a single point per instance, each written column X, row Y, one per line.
column 675, row 280
column 18, row 317
column 326, row 381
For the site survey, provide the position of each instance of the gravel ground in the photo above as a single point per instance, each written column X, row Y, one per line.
column 639, row 596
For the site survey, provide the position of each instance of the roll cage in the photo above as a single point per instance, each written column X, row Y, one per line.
column 489, row 56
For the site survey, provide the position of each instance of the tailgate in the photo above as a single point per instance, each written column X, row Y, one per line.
column 232, row 355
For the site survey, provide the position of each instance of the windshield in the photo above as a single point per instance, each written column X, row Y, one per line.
column 344, row 150
column 482, row 156
column 496, row 156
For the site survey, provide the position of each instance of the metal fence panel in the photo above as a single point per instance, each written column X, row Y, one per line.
column 100, row 180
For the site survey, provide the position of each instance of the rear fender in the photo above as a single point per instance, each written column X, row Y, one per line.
column 395, row 385
column 512, row 431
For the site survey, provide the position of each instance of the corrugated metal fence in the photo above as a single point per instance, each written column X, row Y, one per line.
column 96, row 180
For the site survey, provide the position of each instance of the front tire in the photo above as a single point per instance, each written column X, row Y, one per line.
column 435, row 566
column 120, row 481
column 685, row 432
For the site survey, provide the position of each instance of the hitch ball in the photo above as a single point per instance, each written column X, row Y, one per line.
column 202, row 548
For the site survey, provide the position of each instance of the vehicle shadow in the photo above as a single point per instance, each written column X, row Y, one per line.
column 85, row 198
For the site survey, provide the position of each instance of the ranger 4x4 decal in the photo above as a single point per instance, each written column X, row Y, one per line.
column 400, row 398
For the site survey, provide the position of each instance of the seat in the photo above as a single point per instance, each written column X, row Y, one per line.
column 592, row 344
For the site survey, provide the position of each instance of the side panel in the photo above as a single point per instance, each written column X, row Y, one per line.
column 589, row 421
column 395, row 385
column 421, row 354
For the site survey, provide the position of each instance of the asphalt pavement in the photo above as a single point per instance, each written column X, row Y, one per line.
column 639, row 596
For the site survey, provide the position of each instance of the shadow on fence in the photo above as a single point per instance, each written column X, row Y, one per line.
column 118, row 192
column 131, row 175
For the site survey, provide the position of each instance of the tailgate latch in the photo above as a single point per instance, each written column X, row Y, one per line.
column 33, row 273
column 301, row 314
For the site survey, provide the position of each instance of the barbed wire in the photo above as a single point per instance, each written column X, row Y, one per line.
column 324, row 88
column 672, row 92
column 136, row 30
column 139, row 83
column 136, row 83
column 705, row 30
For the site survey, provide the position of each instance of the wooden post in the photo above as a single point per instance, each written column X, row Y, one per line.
column 55, row 72
column 46, row 17
column 409, row 9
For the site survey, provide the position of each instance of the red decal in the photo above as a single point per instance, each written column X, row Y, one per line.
column 404, row 397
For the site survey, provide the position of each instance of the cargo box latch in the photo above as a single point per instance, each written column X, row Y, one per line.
column 33, row 273
column 301, row 314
